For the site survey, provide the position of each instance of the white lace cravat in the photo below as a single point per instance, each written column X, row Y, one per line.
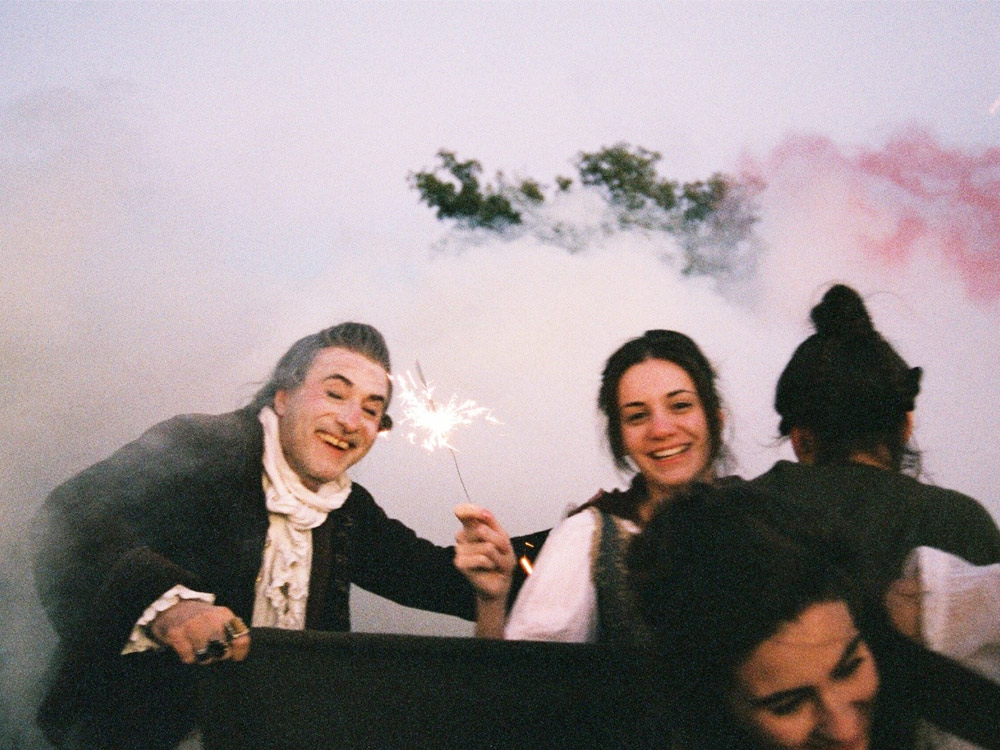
column 294, row 511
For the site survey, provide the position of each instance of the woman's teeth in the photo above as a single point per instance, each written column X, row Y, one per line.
column 670, row 452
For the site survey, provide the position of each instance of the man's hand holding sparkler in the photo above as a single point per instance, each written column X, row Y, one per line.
column 484, row 555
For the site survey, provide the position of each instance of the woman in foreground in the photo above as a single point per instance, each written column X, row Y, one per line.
column 664, row 423
column 761, row 639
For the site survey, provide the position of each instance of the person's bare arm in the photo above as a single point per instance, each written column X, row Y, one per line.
column 902, row 600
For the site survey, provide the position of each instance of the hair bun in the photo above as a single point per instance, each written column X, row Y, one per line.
column 842, row 313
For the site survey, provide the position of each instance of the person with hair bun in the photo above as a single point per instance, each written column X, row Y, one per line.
column 846, row 395
column 664, row 424
column 846, row 401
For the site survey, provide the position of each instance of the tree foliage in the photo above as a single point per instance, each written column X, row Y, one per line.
column 460, row 195
column 628, row 175
column 712, row 220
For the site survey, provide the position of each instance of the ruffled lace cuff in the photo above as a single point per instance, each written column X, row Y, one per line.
column 138, row 639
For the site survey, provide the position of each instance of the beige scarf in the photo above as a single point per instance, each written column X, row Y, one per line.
column 294, row 511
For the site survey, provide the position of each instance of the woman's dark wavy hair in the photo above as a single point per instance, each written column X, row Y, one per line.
column 848, row 386
column 717, row 571
column 673, row 347
column 290, row 372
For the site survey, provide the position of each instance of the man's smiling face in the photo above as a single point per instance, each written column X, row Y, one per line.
column 330, row 421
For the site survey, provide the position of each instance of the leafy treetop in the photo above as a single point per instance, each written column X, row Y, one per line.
column 712, row 220
column 463, row 198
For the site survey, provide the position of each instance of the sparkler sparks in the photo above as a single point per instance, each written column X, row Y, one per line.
column 525, row 563
column 437, row 421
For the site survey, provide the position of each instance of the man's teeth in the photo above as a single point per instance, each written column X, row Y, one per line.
column 335, row 442
column 670, row 452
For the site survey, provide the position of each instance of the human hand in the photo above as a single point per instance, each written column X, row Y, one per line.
column 483, row 552
column 903, row 602
column 202, row 633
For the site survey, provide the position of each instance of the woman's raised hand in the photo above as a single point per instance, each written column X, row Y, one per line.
column 483, row 552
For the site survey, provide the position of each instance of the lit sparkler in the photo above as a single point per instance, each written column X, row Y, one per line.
column 437, row 421
column 525, row 563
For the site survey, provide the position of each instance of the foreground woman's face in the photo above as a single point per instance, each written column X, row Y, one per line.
column 810, row 685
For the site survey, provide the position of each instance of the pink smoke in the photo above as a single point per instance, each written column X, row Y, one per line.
column 911, row 193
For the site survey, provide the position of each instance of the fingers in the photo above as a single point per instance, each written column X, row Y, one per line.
column 483, row 552
column 238, row 637
column 184, row 648
column 474, row 518
column 214, row 650
column 471, row 515
column 489, row 573
column 182, row 628
column 233, row 644
column 240, row 648
column 233, row 649
column 479, row 525
column 484, row 535
column 202, row 633
column 480, row 556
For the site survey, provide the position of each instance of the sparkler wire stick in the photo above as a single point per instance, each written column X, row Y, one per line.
column 459, row 472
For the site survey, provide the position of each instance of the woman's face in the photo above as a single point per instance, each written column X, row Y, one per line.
column 810, row 685
column 663, row 424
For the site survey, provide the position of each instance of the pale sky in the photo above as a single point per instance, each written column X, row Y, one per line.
column 291, row 102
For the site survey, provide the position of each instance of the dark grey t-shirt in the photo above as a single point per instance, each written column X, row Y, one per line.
column 882, row 515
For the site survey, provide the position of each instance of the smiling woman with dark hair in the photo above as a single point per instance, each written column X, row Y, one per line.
column 664, row 425
column 762, row 639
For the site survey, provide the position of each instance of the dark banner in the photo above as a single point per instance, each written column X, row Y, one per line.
column 349, row 690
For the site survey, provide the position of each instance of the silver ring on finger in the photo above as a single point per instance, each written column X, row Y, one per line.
column 234, row 629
